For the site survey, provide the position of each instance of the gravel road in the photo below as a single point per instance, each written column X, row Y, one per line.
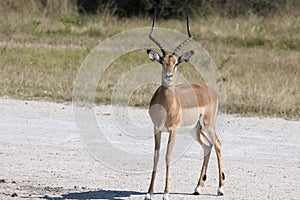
column 43, row 157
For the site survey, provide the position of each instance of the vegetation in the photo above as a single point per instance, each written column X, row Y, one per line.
column 257, row 55
column 144, row 8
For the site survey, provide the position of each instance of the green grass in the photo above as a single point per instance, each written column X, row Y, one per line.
column 257, row 57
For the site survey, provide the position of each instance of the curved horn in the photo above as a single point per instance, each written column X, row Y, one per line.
column 151, row 35
column 189, row 33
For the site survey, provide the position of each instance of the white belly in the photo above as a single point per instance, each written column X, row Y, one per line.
column 186, row 129
column 180, row 129
column 201, row 136
column 190, row 116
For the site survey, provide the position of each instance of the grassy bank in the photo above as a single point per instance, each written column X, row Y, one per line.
column 258, row 58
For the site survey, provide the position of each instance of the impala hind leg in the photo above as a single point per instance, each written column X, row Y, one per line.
column 221, row 173
column 157, row 140
column 202, row 178
column 202, row 136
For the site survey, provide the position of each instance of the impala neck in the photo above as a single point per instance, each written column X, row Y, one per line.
column 167, row 87
column 168, row 91
column 169, row 96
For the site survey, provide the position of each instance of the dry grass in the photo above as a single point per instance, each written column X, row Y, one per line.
column 258, row 58
column 39, row 73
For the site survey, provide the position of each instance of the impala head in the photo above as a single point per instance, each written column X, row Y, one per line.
column 170, row 62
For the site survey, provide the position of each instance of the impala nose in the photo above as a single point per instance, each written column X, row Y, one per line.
column 169, row 77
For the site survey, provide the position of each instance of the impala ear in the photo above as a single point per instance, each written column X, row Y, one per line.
column 186, row 56
column 154, row 56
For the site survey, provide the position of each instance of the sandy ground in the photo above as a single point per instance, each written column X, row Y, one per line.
column 42, row 156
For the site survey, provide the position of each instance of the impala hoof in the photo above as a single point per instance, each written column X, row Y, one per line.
column 166, row 197
column 197, row 191
column 148, row 197
column 220, row 191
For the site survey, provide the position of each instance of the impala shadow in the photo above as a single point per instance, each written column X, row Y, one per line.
column 101, row 194
column 111, row 195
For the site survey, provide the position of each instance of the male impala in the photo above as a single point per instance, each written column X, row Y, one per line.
column 174, row 107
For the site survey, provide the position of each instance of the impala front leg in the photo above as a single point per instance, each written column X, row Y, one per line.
column 168, row 159
column 157, row 140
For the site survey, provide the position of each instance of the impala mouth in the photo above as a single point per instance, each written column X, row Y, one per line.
column 168, row 81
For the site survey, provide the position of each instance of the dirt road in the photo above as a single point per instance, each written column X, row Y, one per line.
column 42, row 156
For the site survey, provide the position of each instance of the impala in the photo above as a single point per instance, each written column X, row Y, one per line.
column 174, row 107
